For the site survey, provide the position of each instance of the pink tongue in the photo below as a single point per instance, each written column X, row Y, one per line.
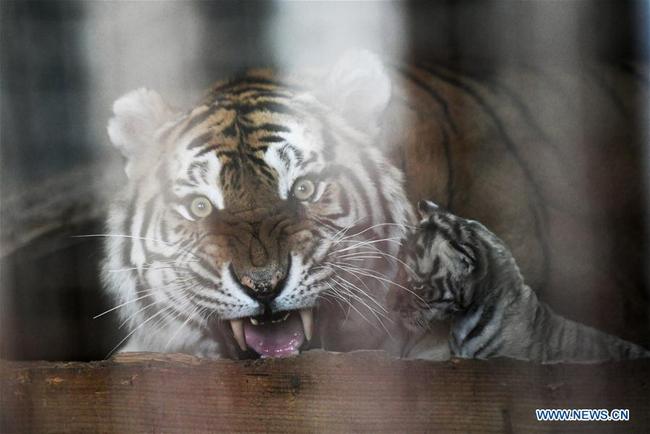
column 280, row 339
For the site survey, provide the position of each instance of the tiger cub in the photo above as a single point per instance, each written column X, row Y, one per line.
column 459, row 271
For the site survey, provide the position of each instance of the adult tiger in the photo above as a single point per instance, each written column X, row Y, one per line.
column 270, row 197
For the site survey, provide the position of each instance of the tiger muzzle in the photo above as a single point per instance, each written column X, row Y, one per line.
column 262, row 241
column 261, row 262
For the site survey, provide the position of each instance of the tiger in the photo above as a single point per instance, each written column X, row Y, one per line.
column 266, row 219
column 251, row 214
column 459, row 271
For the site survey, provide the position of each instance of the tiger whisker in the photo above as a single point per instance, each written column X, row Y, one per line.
column 359, row 258
column 353, row 268
column 350, row 268
column 359, row 289
column 175, row 286
column 354, row 288
column 326, row 225
column 330, row 299
column 325, row 294
column 353, row 307
column 122, row 305
column 132, row 237
column 356, row 293
column 148, row 292
column 136, row 329
column 122, row 270
column 348, row 291
column 380, row 252
column 391, row 283
column 376, row 226
column 365, row 243
column 373, row 312
column 358, row 267
column 123, row 323
column 360, row 254
column 182, row 326
column 345, row 229
column 173, row 313
column 340, row 300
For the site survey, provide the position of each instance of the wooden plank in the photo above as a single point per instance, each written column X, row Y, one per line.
column 318, row 391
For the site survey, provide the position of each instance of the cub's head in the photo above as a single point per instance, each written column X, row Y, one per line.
column 250, row 208
column 449, row 264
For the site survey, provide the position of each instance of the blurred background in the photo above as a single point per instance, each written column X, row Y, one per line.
column 63, row 63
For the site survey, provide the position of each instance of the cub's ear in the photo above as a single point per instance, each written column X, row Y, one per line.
column 136, row 118
column 359, row 87
column 426, row 208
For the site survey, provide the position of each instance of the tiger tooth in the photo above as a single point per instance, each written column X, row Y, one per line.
column 307, row 317
column 237, row 326
column 254, row 321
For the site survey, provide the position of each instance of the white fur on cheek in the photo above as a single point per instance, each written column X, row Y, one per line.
column 284, row 301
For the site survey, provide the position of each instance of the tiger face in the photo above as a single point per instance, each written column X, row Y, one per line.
column 247, row 209
column 447, row 259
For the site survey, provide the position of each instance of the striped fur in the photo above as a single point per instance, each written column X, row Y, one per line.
column 459, row 271
column 243, row 148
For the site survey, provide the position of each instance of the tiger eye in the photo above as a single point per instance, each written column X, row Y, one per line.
column 201, row 207
column 303, row 189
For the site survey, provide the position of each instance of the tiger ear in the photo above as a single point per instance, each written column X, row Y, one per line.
column 137, row 116
column 359, row 87
column 426, row 208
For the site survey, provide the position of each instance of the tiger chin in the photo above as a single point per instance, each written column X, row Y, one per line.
column 241, row 215
column 458, row 271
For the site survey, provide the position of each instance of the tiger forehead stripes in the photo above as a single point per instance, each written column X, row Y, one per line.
column 248, row 209
column 237, row 126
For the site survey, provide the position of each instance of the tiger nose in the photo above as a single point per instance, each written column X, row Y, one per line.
column 263, row 284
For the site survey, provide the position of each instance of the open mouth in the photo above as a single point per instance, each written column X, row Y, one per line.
column 278, row 335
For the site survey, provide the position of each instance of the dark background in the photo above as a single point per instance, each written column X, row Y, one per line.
column 64, row 62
